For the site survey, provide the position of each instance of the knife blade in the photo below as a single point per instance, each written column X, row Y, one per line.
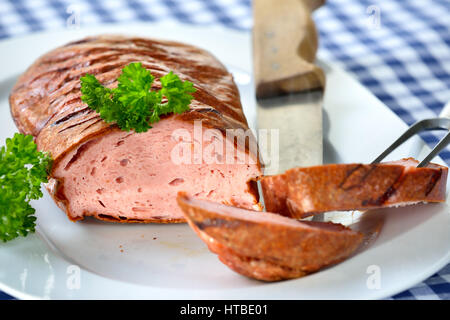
column 288, row 85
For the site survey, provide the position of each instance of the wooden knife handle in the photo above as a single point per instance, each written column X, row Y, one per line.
column 285, row 43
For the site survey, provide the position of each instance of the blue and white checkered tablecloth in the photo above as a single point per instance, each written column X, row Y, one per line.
column 399, row 49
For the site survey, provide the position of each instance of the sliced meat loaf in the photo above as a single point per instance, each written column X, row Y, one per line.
column 102, row 171
column 301, row 192
column 267, row 246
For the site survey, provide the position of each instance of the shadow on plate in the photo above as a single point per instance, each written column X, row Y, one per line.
column 330, row 154
column 6, row 87
column 374, row 223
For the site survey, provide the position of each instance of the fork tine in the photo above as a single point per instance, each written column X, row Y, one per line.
column 426, row 124
column 438, row 148
column 404, row 137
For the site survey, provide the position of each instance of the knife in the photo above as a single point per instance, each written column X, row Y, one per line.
column 288, row 85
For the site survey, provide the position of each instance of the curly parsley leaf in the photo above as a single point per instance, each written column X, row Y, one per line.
column 22, row 171
column 133, row 105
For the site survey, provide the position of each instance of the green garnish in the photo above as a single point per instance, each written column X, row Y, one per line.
column 132, row 105
column 22, row 170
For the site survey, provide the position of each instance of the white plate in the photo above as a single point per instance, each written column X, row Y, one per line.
column 169, row 261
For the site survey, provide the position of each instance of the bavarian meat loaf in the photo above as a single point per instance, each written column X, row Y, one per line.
column 113, row 175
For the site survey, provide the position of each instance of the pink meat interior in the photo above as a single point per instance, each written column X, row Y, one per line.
column 124, row 174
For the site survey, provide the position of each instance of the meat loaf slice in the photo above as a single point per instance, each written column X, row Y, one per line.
column 267, row 246
column 113, row 175
column 301, row 192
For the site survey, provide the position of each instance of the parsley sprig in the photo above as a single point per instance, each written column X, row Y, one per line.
column 22, row 170
column 133, row 105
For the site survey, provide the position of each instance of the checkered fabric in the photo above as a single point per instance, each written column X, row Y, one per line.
column 400, row 50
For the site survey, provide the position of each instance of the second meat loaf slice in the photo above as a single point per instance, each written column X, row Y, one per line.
column 301, row 192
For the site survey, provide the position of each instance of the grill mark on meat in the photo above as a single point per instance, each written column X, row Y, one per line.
column 68, row 54
column 147, row 48
column 83, row 148
column 205, row 97
column 59, row 99
column 46, row 122
column 140, row 42
column 68, row 89
column 116, row 55
column 71, row 115
column 201, row 94
column 101, row 203
column 359, row 183
column 433, row 181
column 94, row 69
column 111, row 52
column 69, row 102
column 390, row 191
column 92, row 124
column 63, row 105
column 104, row 58
column 54, row 72
column 349, row 173
column 79, row 123
column 74, row 78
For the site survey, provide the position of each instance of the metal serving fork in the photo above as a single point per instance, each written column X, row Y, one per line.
column 440, row 123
